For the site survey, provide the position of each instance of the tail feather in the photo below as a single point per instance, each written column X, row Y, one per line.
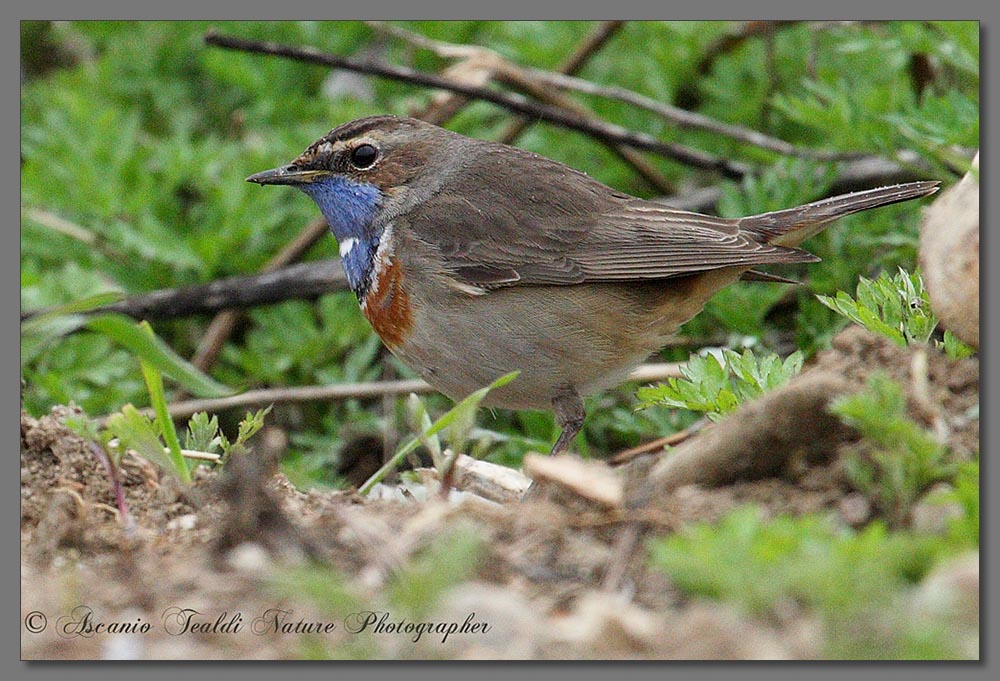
column 791, row 226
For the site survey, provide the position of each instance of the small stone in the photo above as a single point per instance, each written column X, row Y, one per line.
column 512, row 631
column 250, row 558
column 949, row 598
column 932, row 513
column 854, row 509
column 952, row 590
column 188, row 521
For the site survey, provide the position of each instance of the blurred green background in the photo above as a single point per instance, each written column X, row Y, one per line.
column 136, row 139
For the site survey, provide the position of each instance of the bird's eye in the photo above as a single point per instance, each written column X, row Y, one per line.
column 363, row 155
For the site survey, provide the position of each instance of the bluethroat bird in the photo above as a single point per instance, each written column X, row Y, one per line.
column 471, row 259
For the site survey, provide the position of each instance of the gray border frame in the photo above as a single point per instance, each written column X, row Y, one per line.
column 13, row 12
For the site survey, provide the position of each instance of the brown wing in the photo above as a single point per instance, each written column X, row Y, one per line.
column 558, row 226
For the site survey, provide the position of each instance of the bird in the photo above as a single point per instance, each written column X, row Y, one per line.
column 472, row 259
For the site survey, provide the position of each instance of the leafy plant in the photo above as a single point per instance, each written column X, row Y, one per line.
column 204, row 434
column 457, row 420
column 807, row 559
column 963, row 530
column 896, row 307
column 131, row 429
column 849, row 578
column 955, row 348
column 412, row 592
column 717, row 386
column 899, row 460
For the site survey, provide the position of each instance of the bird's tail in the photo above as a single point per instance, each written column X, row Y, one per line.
column 791, row 226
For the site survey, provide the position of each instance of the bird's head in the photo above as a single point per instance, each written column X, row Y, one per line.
column 374, row 165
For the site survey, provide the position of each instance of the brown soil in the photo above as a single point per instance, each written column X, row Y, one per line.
column 560, row 577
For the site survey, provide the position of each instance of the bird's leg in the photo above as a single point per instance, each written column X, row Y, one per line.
column 568, row 408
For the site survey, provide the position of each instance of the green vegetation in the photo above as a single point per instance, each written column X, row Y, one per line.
column 898, row 308
column 849, row 578
column 457, row 421
column 899, row 459
column 717, row 387
column 136, row 140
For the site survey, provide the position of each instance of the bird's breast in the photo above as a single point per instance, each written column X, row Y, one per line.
column 385, row 302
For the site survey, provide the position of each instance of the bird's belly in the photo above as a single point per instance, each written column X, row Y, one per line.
column 588, row 336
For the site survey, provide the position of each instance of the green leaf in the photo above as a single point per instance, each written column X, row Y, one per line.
column 905, row 460
column 135, row 431
column 954, row 348
column 718, row 386
column 39, row 333
column 154, row 383
column 460, row 410
column 420, row 421
column 152, row 350
column 248, row 427
column 202, row 433
column 896, row 307
column 72, row 308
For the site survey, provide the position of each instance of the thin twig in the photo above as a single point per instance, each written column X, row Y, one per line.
column 340, row 391
column 690, row 119
column 61, row 225
column 92, row 240
column 730, row 41
column 590, row 46
column 515, row 77
column 116, row 486
column 186, row 453
column 604, row 131
column 481, row 64
column 627, row 455
column 520, row 76
column 303, row 281
column 300, row 394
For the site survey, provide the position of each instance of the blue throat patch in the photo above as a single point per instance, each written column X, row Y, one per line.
column 350, row 208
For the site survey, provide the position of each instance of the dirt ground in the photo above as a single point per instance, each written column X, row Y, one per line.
column 197, row 573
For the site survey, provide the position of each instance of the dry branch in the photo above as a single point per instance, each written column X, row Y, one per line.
column 489, row 480
column 480, row 65
column 339, row 391
column 304, row 281
column 606, row 132
column 538, row 83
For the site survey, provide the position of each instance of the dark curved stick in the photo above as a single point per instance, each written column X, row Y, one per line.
column 606, row 132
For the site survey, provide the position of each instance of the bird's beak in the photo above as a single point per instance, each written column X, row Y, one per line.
column 288, row 175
